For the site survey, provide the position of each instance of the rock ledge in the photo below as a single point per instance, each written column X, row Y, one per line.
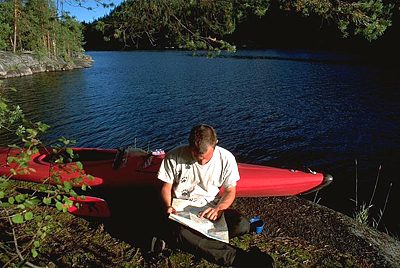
column 28, row 63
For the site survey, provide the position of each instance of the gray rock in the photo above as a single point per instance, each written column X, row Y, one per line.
column 38, row 68
column 25, row 70
column 12, row 73
column 28, row 63
column 3, row 72
column 50, row 68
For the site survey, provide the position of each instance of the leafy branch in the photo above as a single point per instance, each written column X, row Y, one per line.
column 22, row 209
column 205, row 25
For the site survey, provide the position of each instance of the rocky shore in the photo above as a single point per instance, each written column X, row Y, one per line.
column 318, row 233
column 28, row 63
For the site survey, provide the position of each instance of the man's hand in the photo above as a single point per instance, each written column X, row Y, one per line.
column 211, row 214
column 171, row 210
column 225, row 202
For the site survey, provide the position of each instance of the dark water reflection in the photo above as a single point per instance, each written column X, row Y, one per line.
column 282, row 108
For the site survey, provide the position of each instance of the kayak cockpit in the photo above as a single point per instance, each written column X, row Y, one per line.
column 81, row 155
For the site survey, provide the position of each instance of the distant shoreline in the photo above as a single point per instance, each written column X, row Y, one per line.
column 28, row 63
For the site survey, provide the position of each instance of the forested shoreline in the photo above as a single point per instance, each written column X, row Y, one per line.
column 35, row 36
column 43, row 27
column 37, row 25
column 356, row 26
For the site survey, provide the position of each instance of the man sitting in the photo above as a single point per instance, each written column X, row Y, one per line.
column 196, row 172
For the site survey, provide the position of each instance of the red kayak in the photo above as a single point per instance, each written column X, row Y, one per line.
column 113, row 168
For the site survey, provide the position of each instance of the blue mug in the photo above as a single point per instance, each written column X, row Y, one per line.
column 256, row 224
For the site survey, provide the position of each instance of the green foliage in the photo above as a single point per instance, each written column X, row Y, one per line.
column 205, row 25
column 182, row 24
column 362, row 214
column 368, row 18
column 374, row 18
column 70, row 36
column 35, row 28
column 20, row 209
column 39, row 28
column 179, row 259
column 17, row 218
column 8, row 115
column 5, row 24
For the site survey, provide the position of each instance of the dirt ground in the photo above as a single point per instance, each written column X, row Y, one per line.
column 298, row 233
column 297, row 219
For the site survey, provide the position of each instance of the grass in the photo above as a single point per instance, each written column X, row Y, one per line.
column 363, row 212
column 14, row 67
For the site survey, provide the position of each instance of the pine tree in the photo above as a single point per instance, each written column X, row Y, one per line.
column 37, row 25
column 6, row 20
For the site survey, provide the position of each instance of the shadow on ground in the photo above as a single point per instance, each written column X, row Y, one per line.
column 136, row 215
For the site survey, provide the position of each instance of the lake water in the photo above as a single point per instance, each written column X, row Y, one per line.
column 283, row 108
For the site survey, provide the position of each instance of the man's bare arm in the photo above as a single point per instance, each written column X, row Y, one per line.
column 166, row 196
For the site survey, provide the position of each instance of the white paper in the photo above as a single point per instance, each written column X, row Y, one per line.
column 187, row 214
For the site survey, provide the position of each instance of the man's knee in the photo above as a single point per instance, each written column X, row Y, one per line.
column 243, row 226
column 237, row 224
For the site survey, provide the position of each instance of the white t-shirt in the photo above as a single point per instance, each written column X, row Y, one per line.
column 198, row 183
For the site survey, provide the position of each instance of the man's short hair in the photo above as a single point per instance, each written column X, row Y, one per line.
column 202, row 136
